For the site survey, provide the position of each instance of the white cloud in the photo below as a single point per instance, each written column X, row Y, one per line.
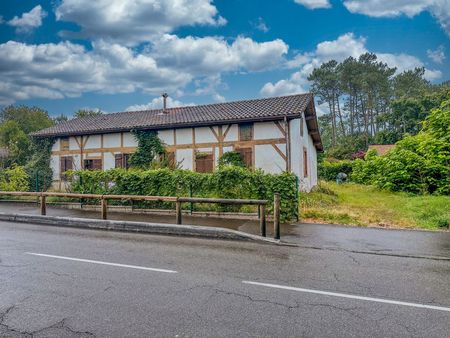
column 29, row 20
column 68, row 70
column 314, row 4
column 132, row 21
column 157, row 103
column 211, row 55
column 440, row 9
column 437, row 55
column 261, row 25
column 344, row 46
column 169, row 64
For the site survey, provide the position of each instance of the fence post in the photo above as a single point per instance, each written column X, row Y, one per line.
column 178, row 211
column 104, row 208
column 43, row 205
column 262, row 219
column 276, row 216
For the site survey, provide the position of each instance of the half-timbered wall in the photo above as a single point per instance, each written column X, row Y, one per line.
column 269, row 147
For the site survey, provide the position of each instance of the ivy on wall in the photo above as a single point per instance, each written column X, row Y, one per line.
column 149, row 149
column 38, row 168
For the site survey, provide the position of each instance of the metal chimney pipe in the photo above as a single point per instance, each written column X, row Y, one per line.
column 165, row 96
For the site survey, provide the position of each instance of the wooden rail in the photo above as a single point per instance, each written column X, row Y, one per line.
column 177, row 200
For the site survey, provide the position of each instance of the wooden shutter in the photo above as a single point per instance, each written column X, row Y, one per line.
column 246, row 132
column 204, row 163
column 65, row 163
column 97, row 164
column 247, row 156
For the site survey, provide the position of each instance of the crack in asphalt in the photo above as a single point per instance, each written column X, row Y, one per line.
column 8, row 331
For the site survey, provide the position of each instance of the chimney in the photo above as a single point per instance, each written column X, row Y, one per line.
column 165, row 96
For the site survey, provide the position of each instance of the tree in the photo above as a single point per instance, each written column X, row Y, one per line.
column 16, row 122
column 87, row 113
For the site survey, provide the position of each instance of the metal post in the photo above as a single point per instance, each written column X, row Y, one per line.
column 262, row 219
column 276, row 216
column 178, row 211
column 43, row 205
column 104, row 208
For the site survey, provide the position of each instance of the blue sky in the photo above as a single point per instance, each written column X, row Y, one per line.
column 117, row 55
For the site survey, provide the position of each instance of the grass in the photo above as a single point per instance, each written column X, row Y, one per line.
column 362, row 205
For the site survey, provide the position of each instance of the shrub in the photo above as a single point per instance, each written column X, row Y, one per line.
column 14, row 179
column 227, row 182
column 231, row 158
column 328, row 170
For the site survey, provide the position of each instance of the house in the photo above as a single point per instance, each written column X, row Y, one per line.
column 275, row 134
column 381, row 149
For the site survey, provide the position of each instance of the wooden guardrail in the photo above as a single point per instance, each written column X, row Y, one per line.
column 177, row 200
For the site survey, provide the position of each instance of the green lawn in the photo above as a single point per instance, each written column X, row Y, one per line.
column 362, row 205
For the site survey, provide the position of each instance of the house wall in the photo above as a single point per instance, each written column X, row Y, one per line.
column 298, row 143
column 269, row 148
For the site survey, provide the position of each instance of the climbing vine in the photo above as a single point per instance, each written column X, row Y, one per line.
column 38, row 168
column 149, row 150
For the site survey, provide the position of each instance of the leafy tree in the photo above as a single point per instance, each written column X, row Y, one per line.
column 16, row 122
column 60, row 118
column 87, row 113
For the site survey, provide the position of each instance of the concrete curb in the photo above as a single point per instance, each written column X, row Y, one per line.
column 139, row 227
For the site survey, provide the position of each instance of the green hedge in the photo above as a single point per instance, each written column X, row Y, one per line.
column 328, row 170
column 227, row 182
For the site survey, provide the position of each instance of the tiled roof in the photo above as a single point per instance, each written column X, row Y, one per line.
column 218, row 113
column 381, row 149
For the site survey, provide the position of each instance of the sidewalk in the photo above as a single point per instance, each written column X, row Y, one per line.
column 319, row 236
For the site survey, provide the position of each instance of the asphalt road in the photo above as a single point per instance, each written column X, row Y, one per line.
column 60, row 282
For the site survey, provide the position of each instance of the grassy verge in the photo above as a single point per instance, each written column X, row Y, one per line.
column 362, row 205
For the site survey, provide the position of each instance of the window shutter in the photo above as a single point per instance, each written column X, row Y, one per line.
column 246, row 132
column 97, row 164
column 246, row 154
column 204, row 163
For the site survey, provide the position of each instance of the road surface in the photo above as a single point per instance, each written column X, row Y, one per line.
column 60, row 282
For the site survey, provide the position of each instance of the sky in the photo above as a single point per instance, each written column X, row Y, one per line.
column 117, row 55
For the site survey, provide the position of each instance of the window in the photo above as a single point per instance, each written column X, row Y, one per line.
column 64, row 143
column 204, row 162
column 66, row 163
column 94, row 164
column 305, row 162
column 247, row 156
column 246, row 132
column 122, row 160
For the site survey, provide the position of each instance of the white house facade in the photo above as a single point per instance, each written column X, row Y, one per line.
column 273, row 134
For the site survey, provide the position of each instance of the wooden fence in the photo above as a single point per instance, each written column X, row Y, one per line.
column 177, row 200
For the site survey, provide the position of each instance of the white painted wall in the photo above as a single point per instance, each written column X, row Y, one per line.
column 265, row 130
column 109, row 161
column 184, row 157
column 297, row 144
column 268, row 159
column 232, row 134
column 166, row 136
column 184, row 136
column 129, row 140
column 204, row 135
column 93, row 142
column 54, row 164
column 73, row 145
column 111, row 140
